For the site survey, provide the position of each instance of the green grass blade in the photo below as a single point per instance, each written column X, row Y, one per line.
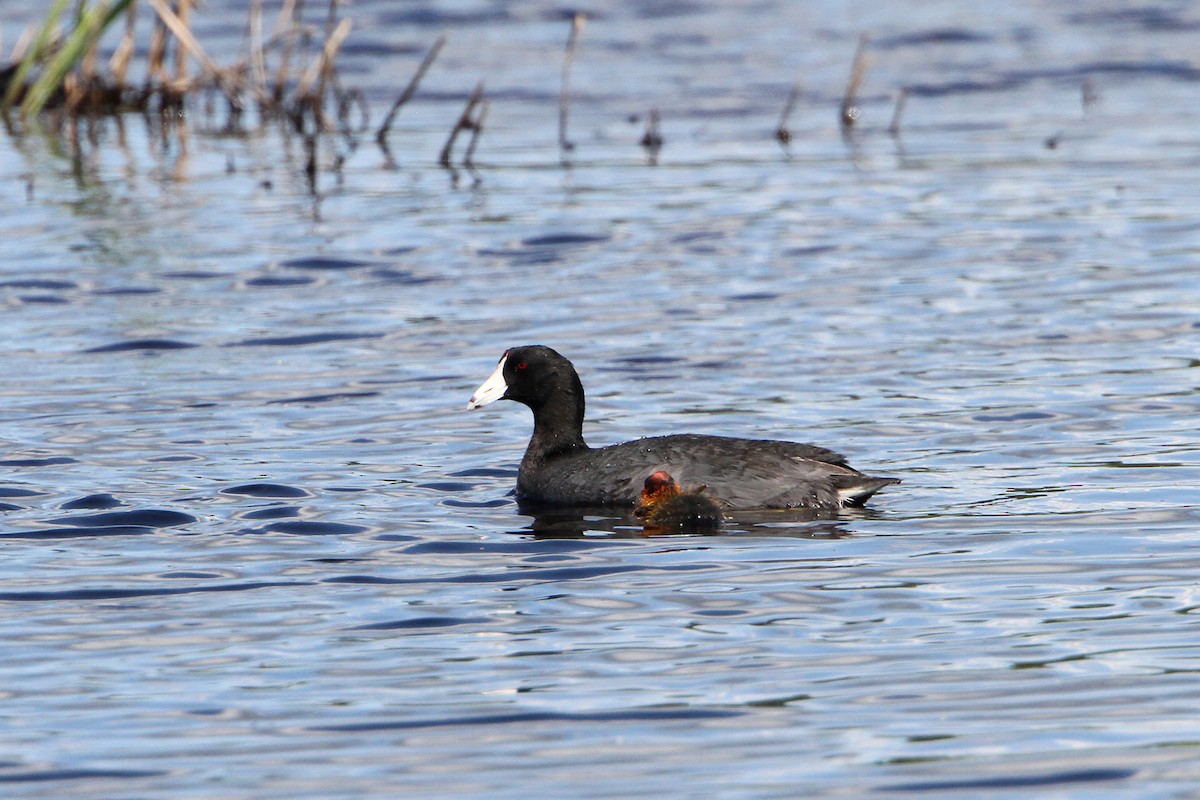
column 44, row 35
column 92, row 23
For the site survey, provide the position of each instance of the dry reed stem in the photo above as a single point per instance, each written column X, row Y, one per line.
column 118, row 65
column 564, row 96
column 184, row 12
column 464, row 123
column 255, row 62
column 652, row 140
column 1089, row 95
column 23, row 43
column 184, row 38
column 781, row 131
column 288, row 26
column 329, row 57
column 858, row 71
column 289, row 17
column 310, row 162
column 321, row 69
column 158, row 49
column 347, row 101
column 411, row 89
column 71, row 90
column 87, row 65
column 331, row 18
column 898, row 112
column 258, row 62
column 476, row 131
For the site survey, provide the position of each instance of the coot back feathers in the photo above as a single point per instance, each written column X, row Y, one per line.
column 560, row 469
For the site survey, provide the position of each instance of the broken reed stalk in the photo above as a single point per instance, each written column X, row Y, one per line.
column 184, row 12
column 564, row 96
column 464, row 123
column 258, row 61
column 652, row 140
column 183, row 36
column 22, row 46
column 331, row 20
column 320, row 71
column 62, row 69
column 310, row 162
column 781, row 132
column 287, row 24
column 858, row 71
column 411, row 89
column 1089, row 95
column 158, row 49
column 898, row 112
column 118, row 65
column 476, row 131
column 347, row 100
column 171, row 92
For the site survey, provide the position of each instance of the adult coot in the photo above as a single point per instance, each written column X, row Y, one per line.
column 560, row 469
column 666, row 506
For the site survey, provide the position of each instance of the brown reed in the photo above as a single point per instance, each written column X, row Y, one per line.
column 652, row 140
column 898, row 111
column 411, row 89
column 466, row 122
column 858, row 72
column 60, row 71
column 564, row 96
column 782, row 133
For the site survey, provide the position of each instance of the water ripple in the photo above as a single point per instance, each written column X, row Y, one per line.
column 643, row 715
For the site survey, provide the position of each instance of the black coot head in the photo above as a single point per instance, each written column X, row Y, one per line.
column 533, row 375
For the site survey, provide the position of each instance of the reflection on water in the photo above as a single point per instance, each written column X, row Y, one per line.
column 246, row 515
column 565, row 523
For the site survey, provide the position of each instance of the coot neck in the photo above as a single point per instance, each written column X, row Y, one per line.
column 557, row 421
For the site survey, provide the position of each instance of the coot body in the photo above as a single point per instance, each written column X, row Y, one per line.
column 560, row 469
column 666, row 506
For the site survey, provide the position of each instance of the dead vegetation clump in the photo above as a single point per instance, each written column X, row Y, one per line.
column 290, row 73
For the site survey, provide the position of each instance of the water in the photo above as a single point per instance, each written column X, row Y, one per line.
column 255, row 547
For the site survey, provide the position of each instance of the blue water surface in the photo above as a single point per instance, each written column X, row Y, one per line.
column 255, row 546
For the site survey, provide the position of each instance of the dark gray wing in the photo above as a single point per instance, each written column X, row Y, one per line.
column 738, row 473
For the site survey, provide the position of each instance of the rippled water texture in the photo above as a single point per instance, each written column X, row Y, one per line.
column 254, row 546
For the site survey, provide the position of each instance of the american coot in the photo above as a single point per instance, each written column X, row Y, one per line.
column 666, row 506
column 560, row 469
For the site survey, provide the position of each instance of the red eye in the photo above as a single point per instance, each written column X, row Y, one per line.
column 521, row 365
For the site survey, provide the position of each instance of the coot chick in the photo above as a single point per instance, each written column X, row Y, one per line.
column 666, row 506
column 560, row 469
